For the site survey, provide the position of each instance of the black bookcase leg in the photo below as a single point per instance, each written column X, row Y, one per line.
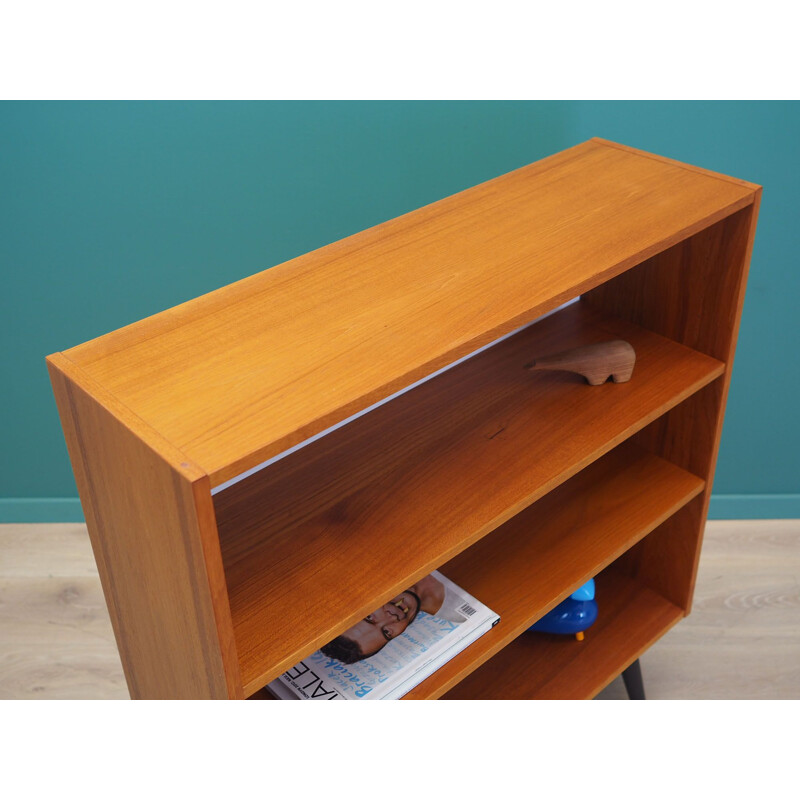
column 633, row 681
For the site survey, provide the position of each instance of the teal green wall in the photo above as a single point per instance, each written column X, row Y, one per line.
column 113, row 211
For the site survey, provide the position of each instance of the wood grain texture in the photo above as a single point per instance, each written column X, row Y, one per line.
column 672, row 162
column 324, row 536
column 241, row 374
column 542, row 555
column 541, row 666
column 692, row 291
column 152, row 529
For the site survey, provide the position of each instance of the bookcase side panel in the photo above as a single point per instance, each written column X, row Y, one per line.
column 693, row 293
column 152, row 528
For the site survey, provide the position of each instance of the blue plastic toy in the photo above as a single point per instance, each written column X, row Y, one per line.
column 573, row 616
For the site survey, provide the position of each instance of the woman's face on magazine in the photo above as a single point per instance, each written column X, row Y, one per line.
column 382, row 625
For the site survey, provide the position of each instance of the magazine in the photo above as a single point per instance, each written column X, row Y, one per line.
column 389, row 652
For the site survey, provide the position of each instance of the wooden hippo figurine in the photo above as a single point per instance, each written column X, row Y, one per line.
column 596, row 362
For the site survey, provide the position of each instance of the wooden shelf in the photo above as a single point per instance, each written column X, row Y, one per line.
column 540, row 666
column 413, row 483
column 233, row 538
column 545, row 553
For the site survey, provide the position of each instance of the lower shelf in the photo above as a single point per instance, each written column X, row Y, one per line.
column 540, row 666
column 529, row 564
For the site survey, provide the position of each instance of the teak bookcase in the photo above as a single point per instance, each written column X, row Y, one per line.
column 228, row 552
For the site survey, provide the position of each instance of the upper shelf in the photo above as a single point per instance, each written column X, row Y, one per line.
column 241, row 374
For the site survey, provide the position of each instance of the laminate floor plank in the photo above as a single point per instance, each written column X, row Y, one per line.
column 741, row 641
column 56, row 640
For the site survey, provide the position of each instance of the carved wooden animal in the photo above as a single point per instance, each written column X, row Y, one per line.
column 596, row 362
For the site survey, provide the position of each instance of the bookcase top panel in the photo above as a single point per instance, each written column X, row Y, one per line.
column 238, row 375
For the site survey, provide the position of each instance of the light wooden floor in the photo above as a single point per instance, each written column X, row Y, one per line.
column 741, row 641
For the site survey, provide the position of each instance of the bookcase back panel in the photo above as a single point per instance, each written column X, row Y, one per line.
column 344, row 523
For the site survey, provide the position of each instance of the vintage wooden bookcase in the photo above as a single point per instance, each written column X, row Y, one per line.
column 220, row 572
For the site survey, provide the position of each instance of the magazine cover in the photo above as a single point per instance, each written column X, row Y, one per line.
column 392, row 649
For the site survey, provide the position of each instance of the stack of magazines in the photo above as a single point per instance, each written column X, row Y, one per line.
column 390, row 651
